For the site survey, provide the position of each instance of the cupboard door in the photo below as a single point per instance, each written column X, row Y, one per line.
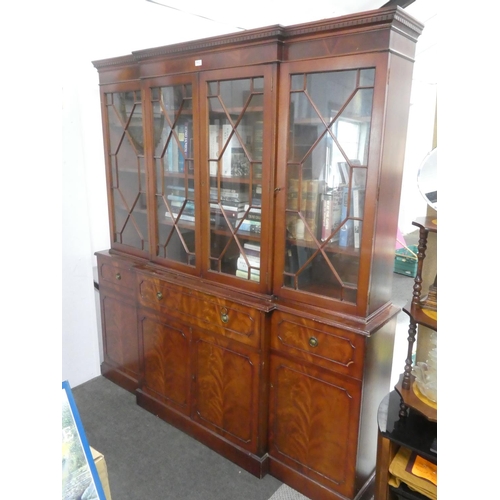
column 238, row 115
column 313, row 426
column 120, row 342
column 165, row 360
column 226, row 394
column 174, row 137
column 326, row 157
column 126, row 169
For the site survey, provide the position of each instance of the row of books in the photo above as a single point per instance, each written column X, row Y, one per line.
column 178, row 153
column 309, row 197
column 248, row 263
column 322, row 213
column 235, row 161
column 349, row 234
column 237, row 194
column 239, row 215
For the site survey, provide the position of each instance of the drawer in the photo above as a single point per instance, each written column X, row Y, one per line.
column 117, row 274
column 209, row 312
column 318, row 343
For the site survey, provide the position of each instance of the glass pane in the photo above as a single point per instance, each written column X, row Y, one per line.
column 128, row 174
column 174, row 169
column 235, row 125
column 330, row 117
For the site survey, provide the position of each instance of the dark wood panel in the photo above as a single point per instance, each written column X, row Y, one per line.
column 165, row 360
column 317, row 343
column 314, row 418
column 120, row 342
column 209, row 312
column 227, row 389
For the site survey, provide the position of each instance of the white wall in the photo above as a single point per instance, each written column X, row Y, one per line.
column 101, row 29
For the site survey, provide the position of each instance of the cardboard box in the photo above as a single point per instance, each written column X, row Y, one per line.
column 102, row 470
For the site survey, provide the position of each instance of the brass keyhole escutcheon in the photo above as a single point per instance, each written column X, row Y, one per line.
column 159, row 295
column 118, row 276
column 313, row 342
column 223, row 315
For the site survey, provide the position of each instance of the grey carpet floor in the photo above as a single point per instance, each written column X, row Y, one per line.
column 148, row 459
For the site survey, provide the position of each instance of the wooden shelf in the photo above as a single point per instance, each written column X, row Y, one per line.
column 428, row 223
column 413, row 401
column 419, row 316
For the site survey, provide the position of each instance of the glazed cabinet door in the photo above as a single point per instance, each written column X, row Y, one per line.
column 173, row 136
column 327, row 179
column 165, row 357
column 122, row 110
column 238, row 123
column 313, row 425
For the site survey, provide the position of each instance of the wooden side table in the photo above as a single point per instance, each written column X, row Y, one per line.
column 413, row 431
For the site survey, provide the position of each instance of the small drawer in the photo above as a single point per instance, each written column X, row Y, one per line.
column 117, row 273
column 318, row 343
column 209, row 312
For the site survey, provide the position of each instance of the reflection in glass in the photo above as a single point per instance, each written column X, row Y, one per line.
column 235, row 125
column 126, row 161
column 329, row 134
column 174, row 169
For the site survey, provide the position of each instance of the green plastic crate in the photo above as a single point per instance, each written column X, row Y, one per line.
column 405, row 262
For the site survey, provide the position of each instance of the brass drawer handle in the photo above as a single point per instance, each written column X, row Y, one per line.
column 224, row 316
column 159, row 295
column 313, row 342
column 118, row 276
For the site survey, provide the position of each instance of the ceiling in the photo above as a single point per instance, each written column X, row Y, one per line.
column 267, row 12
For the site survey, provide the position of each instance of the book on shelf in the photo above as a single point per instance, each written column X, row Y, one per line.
column 220, row 216
column 343, row 167
column 228, row 211
column 246, row 275
column 345, row 233
column 250, row 245
column 172, row 155
column 326, row 216
column 176, row 197
column 253, row 213
column 182, row 135
column 331, row 214
column 350, row 232
column 228, row 206
column 235, row 162
column 258, row 141
column 183, row 216
column 311, row 191
column 251, row 226
column 180, row 190
column 292, row 194
column 227, row 141
column 240, row 165
column 186, row 206
column 213, row 153
column 251, row 249
column 358, row 197
column 257, row 195
column 244, row 264
column 228, row 196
